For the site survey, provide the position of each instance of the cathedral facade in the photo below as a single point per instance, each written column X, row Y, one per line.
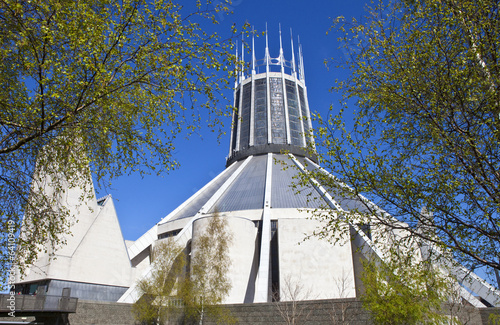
column 267, row 212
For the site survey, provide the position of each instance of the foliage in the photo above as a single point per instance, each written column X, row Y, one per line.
column 425, row 76
column 158, row 302
column 494, row 319
column 403, row 290
column 209, row 282
column 344, row 310
column 288, row 301
column 189, row 290
column 106, row 84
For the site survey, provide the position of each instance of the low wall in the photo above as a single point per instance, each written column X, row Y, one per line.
column 490, row 316
column 338, row 311
column 97, row 313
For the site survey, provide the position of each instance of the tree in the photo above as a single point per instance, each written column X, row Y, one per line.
column 208, row 283
column 188, row 287
column 344, row 311
column 404, row 289
column 494, row 319
column 456, row 309
column 107, row 85
column 288, row 301
column 159, row 300
column 425, row 76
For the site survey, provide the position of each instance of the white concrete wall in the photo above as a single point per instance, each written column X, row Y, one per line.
column 322, row 270
column 173, row 225
column 241, row 253
column 95, row 251
column 102, row 256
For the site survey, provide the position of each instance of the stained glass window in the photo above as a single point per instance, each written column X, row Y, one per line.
column 278, row 126
column 245, row 116
column 304, row 114
column 235, row 120
column 260, row 112
column 293, row 113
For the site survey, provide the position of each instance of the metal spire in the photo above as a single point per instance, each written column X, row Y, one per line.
column 267, row 52
column 253, row 51
column 294, row 70
column 301, row 63
column 243, row 57
column 281, row 58
column 237, row 61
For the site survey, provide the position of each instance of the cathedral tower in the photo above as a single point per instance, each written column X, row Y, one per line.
column 272, row 111
column 271, row 139
column 271, row 143
column 257, row 194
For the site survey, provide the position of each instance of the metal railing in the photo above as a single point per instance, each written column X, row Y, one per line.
column 38, row 303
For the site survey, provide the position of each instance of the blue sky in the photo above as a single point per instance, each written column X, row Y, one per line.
column 142, row 202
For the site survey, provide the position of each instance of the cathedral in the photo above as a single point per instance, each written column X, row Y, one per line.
column 266, row 214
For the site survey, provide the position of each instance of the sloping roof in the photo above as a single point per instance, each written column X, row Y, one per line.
column 286, row 193
column 198, row 200
column 246, row 191
column 346, row 201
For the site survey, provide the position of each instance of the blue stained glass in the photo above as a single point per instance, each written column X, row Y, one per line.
column 278, row 126
column 260, row 112
column 305, row 120
column 293, row 113
column 235, row 121
column 245, row 116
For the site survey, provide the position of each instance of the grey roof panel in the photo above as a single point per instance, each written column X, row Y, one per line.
column 343, row 198
column 247, row 191
column 346, row 201
column 283, row 194
column 197, row 203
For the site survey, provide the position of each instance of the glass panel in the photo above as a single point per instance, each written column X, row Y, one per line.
column 293, row 113
column 235, row 121
column 305, row 120
column 277, row 111
column 245, row 116
column 260, row 112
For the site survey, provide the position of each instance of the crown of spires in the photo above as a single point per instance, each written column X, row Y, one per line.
column 269, row 61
